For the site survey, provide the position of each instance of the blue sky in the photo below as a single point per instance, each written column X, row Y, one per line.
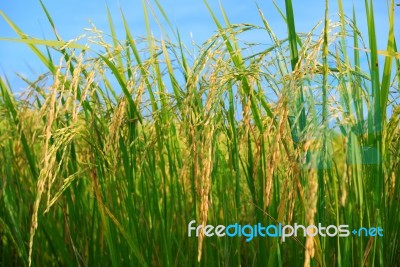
column 190, row 17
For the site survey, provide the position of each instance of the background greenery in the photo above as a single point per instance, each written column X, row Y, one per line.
column 110, row 154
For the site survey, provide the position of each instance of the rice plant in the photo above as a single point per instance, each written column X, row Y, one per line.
column 110, row 154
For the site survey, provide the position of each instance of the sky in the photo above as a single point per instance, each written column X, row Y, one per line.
column 189, row 16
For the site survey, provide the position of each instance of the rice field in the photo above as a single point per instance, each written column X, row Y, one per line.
column 109, row 155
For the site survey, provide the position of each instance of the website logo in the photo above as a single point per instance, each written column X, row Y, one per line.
column 279, row 230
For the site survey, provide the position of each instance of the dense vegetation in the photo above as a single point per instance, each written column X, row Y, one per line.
column 108, row 156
